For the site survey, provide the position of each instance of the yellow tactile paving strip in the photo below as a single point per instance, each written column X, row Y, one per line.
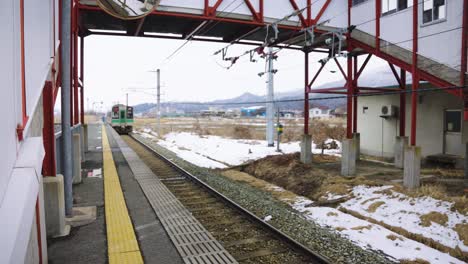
column 122, row 245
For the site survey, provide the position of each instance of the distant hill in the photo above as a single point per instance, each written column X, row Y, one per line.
column 245, row 100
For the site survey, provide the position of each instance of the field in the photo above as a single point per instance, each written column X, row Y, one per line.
column 238, row 128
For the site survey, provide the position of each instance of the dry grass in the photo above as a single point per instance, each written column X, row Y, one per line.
column 394, row 237
column 374, row 206
column 462, row 231
column 454, row 252
column 332, row 214
column 436, row 191
column 339, row 228
column 259, row 184
column 415, row 261
column 368, row 227
column 443, row 172
column 433, row 217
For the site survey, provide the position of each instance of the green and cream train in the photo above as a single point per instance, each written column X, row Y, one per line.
column 122, row 118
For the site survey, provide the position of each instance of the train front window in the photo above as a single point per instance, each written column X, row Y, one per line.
column 115, row 115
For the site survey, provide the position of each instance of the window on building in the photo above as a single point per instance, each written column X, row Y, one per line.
column 433, row 10
column 392, row 6
column 357, row 2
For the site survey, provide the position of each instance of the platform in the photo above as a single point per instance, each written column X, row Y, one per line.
column 138, row 219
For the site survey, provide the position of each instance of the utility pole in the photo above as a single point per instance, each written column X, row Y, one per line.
column 158, row 106
column 270, row 112
column 126, row 111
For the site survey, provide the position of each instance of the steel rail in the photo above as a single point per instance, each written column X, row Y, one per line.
column 294, row 244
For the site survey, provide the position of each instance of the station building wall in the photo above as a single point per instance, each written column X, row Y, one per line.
column 378, row 134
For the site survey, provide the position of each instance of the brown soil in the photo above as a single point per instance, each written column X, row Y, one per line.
column 462, row 230
column 374, row 206
column 288, row 172
column 416, row 261
column 394, row 237
column 436, row 217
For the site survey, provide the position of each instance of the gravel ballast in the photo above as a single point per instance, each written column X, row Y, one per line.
column 322, row 240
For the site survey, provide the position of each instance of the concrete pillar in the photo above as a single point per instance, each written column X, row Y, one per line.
column 399, row 151
column 76, row 159
column 348, row 157
column 357, row 139
column 306, row 149
column 85, row 137
column 412, row 167
column 54, row 204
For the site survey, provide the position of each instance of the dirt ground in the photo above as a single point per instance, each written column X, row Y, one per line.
column 323, row 176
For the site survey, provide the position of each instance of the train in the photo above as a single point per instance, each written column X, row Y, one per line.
column 122, row 118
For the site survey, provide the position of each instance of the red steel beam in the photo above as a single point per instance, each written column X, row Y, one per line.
column 203, row 17
column 328, row 90
column 406, row 66
column 341, row 68
column 301, row 17
column 82, row 78
column 349, row 99
column 309, row 12
column 402, row 103
column 320, row 13
column 20, row 127
column 414, row 72
column 363, row 66
column 316, row 75
column 355, row 93
column 306, row 93
column 252, row 10
column 378, row 12
column 48, row 132
column 464, row 66
column 212, row 10
column 377, row 89
column 395, row 74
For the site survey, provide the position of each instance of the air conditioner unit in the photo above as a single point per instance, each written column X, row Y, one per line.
column 388, row 111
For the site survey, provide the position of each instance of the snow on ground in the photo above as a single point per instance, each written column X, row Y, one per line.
column 405, row 212
column 219, row 152
column 369, row 236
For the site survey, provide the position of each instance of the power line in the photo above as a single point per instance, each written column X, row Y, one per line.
column 168, row 58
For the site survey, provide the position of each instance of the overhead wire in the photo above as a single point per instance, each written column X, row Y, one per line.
column 176, row 51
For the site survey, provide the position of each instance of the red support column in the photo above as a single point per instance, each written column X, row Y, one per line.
column 414, row 72
column 349, row 100
column 82, row 77
column 48, row 132
column 464, row 66
column 306, row 93
column 403, row 103
column 378, row 12
column 355, row 94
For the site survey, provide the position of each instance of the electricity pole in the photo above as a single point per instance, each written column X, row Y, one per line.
column 270, row 130
column 158, row 106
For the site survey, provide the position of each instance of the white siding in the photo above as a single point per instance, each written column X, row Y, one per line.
column 377, row 132
column 38, row 48
column 9, row 101
column 397, row 28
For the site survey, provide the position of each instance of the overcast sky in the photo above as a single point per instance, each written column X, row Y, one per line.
column 115, row 64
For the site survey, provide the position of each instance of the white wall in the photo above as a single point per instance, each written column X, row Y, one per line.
column 39, row 47
column 397, row 27
column 10, row 101
column 430, row 117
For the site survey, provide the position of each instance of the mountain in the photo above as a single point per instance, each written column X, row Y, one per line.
column 290, row 101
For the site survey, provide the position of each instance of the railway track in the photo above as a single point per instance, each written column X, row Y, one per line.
column 246, row 237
